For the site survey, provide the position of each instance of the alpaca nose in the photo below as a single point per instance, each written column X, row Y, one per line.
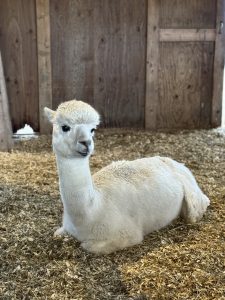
column 85, row 143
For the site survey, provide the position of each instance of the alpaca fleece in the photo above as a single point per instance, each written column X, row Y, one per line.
column 124, row 201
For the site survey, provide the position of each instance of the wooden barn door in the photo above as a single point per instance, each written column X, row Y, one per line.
column 99, row 55
column 185, row 60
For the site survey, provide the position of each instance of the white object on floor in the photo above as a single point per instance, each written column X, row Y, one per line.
column 220, row 131
column 26, row 132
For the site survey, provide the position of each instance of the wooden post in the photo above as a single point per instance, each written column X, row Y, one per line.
column 218, row 65
column 44, row 62
column 152, row 90
column 6, row 142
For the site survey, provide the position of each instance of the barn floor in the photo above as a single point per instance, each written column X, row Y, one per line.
column 180, row 262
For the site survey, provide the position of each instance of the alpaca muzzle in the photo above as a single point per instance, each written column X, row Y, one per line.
column 86, row 147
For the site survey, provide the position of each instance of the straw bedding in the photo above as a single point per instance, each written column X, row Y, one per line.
column 182, row 261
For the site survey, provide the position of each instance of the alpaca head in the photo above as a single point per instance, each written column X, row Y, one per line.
column 74, row 123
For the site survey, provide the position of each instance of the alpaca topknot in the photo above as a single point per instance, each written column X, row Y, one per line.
column 78, row 112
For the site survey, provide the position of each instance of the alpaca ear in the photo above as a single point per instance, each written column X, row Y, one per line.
column 50, row 114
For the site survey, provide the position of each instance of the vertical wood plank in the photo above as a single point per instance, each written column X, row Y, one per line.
column 72, row 34
column 218, row 65
column 120, row 61
column 185, row 85
column 206, row 84
column 180, row 85
column 44, row 62
column 152, row 86
column 99, row 55
column 5, row 122
column 18, row 44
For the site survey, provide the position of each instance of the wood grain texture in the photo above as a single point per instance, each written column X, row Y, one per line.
column 187, row 35
column 188, row 14
column 218, row 71
column 98, row 54
column 6, row 142
column 44, row 62
column 120, row 60
column 207, row 59
column 152, row 65
column 183, row 97
column 19, row 53
column 72, row 50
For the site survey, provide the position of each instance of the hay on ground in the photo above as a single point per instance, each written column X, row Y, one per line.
column 179, row 262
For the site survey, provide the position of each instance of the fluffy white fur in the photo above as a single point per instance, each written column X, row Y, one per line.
column 122, row 202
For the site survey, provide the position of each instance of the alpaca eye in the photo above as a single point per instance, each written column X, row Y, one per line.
column 65, row 128
column 92, row 130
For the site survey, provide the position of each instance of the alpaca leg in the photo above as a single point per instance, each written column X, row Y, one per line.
column 195, row 204
column 98, row 247
column 108, row 246
column 59, row 232
column 67, row 227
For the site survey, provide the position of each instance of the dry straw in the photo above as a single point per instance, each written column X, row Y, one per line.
column 179, row 262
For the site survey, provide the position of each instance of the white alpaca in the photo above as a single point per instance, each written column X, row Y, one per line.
column 122, row 202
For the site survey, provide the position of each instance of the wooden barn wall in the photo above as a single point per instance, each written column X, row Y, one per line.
column 156, row 64
column 187, row 13
column 185, row 76
column 19, row 53
column 185, row 85
column 99, row 55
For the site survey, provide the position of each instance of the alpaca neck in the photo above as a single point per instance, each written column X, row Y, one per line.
column 76, row 184
column 74, row 172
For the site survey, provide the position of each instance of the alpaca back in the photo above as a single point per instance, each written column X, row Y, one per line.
column 145, row 192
